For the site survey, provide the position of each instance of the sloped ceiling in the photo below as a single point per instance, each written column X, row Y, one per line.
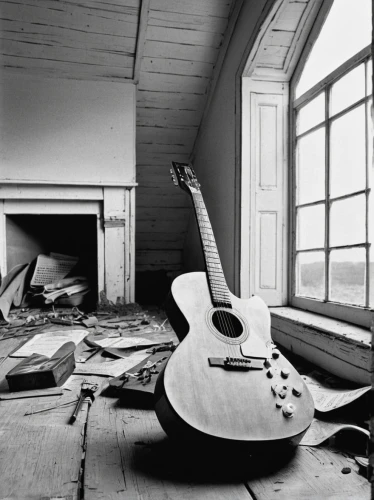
column 282, row 38
column 91, row 39
column 182, row 43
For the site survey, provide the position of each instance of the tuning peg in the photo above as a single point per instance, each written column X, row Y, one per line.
column 173, row 178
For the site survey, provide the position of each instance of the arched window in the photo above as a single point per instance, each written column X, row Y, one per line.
column 332, row 264
column 307, row 214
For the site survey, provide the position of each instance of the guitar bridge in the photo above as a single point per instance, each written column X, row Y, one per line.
column 237, row 364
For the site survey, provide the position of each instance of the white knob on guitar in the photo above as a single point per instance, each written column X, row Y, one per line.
column 288, row 410
column 297, row 391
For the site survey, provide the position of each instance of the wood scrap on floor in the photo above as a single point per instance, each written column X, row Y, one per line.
column 111, row 321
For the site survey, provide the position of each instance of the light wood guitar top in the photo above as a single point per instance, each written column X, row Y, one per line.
column 232, row 404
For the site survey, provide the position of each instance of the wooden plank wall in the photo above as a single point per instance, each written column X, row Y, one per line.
column 182, row 43
column 94, row 39
column 171, row 53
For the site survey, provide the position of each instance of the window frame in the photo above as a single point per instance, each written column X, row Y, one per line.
column 254, row 78
column 354, row 314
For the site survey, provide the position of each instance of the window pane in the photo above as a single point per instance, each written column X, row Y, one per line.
column 346, row 31
column 348, row 90
column 347, row 161
column 311, row 227
column 369, row 77
column 347, row 221
column 370, row 113
column 310, row 167
column 371, row 254
column 310, row 274
column 347, row 276
column 371, row 278
column 371, row 202
column 311, row 114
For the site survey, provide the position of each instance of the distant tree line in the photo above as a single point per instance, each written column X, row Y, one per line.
column 346, row 273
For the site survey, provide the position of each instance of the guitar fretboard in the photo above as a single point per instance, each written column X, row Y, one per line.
column 217, row 283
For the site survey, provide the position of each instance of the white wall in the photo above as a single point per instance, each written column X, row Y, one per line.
column 66, row 130
column 216, row 155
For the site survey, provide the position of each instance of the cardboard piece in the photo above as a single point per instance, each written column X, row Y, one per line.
column 10, row 292
column 5, row 282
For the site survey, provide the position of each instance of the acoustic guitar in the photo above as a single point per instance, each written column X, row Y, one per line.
column 226, row 379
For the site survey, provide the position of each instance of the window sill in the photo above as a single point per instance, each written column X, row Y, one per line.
column 341, row 348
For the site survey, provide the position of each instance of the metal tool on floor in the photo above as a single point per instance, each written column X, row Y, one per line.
column 61, row 405
column 87, row 392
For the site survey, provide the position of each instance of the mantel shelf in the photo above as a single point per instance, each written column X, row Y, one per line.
column 37, row 182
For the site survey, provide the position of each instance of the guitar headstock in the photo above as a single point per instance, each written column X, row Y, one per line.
column 183, row 175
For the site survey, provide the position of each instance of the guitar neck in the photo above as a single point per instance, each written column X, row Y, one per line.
column 217, row 283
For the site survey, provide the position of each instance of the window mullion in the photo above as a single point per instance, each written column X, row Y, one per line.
column 293, row 200
column 327, row 193
column 367, row 139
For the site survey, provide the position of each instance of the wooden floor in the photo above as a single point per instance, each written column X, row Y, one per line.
column 117, row 451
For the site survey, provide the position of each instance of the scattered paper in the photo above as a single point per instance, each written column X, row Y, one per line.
column 48, row 343
column 68, row 291
column 319, row 431
column 51, row 268
column 363, row 461
column 329, row 393
column 65, row 282
column 122, row 342
column 111, row 368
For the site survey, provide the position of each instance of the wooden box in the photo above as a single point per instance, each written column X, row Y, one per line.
column 39, row 372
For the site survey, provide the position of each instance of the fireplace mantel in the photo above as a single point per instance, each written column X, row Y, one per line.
column 68, row 147
column 114, row 207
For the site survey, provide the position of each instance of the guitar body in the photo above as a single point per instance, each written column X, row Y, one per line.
column 196, row 397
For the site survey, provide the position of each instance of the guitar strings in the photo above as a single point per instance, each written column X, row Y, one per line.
column 224, row 317
column 227, row 326
column 224, row 320
column 199, row 203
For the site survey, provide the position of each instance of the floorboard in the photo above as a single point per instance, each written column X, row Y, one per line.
column 117, row 449
column 310, row 474
column 40, row 454
column 128, row 448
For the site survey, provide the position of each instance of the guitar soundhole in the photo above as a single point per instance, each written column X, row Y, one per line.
column 227, row 324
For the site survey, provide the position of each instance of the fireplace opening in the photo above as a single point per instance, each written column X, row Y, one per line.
column 30, row 235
